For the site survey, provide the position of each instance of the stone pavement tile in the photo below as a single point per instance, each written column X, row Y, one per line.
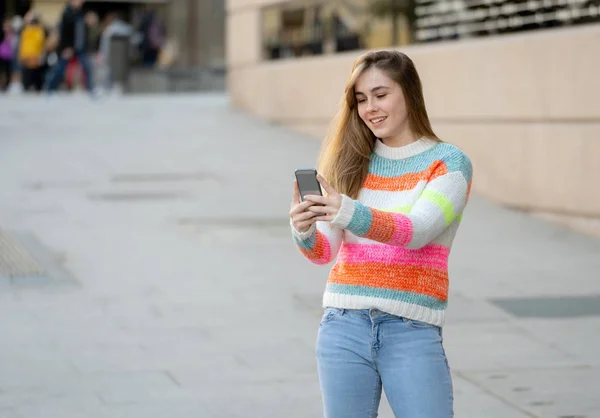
column 571, row 335
column 489, row 346
column 31, row 377
column 34, row 384
column 131, row 387
column 556, row 392
column 157, row 408
column 292, row 398
column 470, row 400
column 260, row 361
column 91, row 389
column 22, row 325
column 111, row 359
column 468, row 309
column 8, row 413
column 513, row 254
column 68, row 406
column 175, row 339
column 25, row 366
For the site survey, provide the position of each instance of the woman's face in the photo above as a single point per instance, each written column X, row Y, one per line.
column 381, row 104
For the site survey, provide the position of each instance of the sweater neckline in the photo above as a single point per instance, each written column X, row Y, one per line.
column 405, row 151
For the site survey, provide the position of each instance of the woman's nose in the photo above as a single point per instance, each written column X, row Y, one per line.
column 371, row 107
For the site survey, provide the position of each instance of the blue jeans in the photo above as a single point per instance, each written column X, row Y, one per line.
column 57, row 73
column 359, row 351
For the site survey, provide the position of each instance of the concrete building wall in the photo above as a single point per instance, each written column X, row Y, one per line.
column 198, row 28
column 50, row 10
column 525, row 107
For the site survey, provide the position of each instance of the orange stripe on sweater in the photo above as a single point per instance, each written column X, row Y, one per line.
column 321, row 252
column 406, row 181
column 382, row 226
column 423, row 280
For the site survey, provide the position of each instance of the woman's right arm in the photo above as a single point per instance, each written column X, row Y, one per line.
column 319, row 242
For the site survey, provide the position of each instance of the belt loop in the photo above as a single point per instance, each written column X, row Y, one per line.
column 342, row 311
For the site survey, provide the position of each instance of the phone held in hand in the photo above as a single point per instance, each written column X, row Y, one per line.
column 308, row 183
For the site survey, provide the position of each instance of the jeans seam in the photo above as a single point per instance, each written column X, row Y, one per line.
column 374, row 404
column 451, row 397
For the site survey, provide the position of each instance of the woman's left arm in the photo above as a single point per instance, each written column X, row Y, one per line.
column 441, row 202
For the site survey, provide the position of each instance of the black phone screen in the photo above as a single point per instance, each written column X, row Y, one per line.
column 308, row 183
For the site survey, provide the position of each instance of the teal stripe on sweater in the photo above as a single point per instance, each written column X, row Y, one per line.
column 361, row 219
column 408, row 297
column 308, row 243
column 453, row 157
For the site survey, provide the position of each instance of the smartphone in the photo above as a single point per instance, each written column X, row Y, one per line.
column 307, row 182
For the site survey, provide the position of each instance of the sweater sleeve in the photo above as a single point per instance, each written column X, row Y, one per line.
column 320, row 244
column 439, row 205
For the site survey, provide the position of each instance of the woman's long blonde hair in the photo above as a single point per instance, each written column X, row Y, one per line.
column 346, row 152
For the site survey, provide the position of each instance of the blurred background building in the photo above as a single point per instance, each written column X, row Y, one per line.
column 514, row 83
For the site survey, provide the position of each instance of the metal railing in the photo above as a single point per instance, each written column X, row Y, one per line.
column 438, row 20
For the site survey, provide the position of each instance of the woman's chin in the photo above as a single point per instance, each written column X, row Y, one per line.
column 380, row 133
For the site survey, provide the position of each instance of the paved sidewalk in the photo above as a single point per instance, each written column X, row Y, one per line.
column 173, row 289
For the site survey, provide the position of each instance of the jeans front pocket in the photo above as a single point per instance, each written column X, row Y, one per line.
column 419, row 324
column 329, row 314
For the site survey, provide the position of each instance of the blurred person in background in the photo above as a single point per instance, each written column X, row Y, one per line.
column 152, row 37
column 92, row 22
column 51, row 49
column 6, row 53
column 32, row 52
column 75, row 75
column 393, row 202
column 72, row 43
column 115, row 26
column 15, row 86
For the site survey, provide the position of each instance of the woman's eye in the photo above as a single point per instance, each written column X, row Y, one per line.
column 361, row 100
column 381, row 96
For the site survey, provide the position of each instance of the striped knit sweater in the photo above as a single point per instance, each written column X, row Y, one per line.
column 392, row 244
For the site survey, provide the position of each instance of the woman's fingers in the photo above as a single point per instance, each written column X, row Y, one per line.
column 296, row 196
column 303, row 216
column 304, row 226
column 304, row 221
column 326, row 186
column 316, row 199
column 299, row 208
column 322, row 209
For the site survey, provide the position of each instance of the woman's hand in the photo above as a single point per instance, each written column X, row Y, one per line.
column 302, row 219
column 327, row 207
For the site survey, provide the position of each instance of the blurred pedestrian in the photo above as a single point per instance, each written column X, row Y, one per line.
column 394, row 197
column 153, row 37
column 92, row 22
column 32, row 52
column 15, row 86
column 72, row 43
column 115, row 26
column 6, row 54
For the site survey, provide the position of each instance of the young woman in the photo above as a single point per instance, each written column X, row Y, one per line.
column 394, row 198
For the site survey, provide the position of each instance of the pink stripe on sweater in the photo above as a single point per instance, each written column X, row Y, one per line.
column 432, row 255
column 403, row 230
